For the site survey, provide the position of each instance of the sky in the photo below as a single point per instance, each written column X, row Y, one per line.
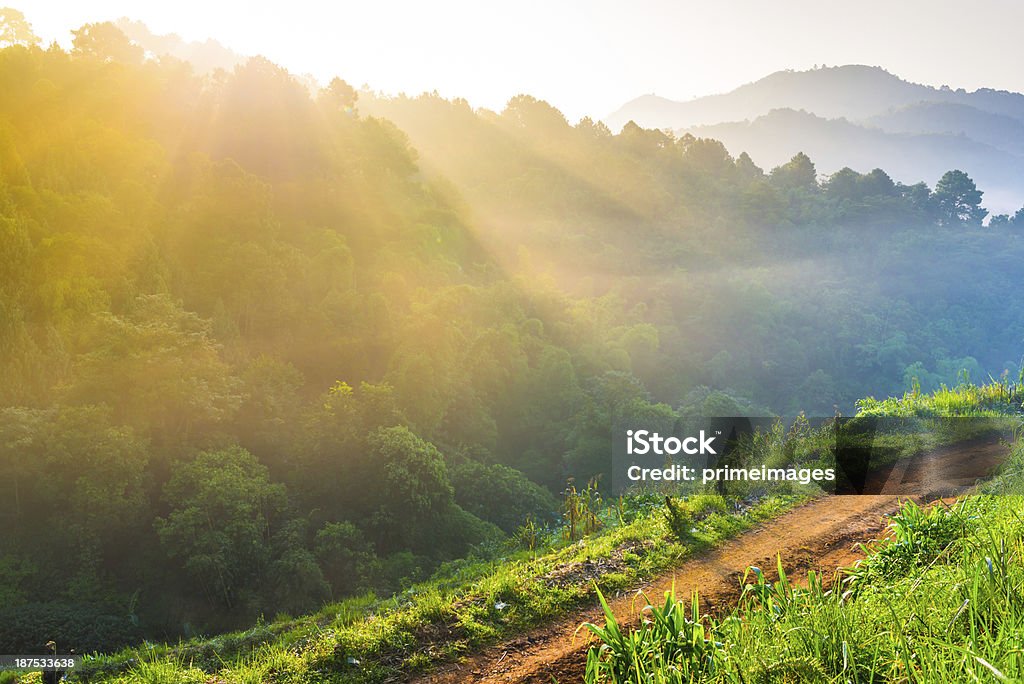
column 586, row 57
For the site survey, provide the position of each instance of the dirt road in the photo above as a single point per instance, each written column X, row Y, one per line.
column 821, row 535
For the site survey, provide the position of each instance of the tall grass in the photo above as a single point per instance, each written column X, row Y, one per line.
column 669, row 639
column 942, row 600
column 993, row 399
column 682, row 514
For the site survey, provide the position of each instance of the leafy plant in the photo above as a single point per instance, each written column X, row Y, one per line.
column 670, row 638
column 580, row 510
column 528, row 535
column 919, row 537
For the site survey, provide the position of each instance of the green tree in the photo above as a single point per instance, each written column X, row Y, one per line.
column 747, row 170
column 295, row 580
column 268, row 416
column 920, row 198
column 877, row 183
column 70, row 477
column 817, row 395
column 414, row 490
column 158, row 367
column 222, row 505
column 709, row 157
column 844, row 184
column 958, row 200
column 500, row 495
column 917, row 375
column 345, row 556
column 796, row 174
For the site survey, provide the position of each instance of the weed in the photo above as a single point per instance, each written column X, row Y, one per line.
column 580, row 510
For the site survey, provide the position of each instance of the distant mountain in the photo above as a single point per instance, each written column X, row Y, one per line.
column 998, row 130
column 852, row 92
column 849, row 91
column 862, row 117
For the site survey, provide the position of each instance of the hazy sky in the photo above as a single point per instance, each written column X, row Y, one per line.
column 588, row 56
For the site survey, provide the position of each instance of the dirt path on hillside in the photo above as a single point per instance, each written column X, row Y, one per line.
column 822, row 535
column 946, row 471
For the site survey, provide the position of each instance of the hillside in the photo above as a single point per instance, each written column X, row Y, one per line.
column 980, row 131
column 995, row 130
column 935, row 599
column 266, row 349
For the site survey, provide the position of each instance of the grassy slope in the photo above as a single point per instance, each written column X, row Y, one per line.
column 465, row 606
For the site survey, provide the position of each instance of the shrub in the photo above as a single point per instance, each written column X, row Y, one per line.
column 500, row 495
column 682, row 514
column 919, row 537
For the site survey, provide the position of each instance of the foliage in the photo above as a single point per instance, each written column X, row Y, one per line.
column 958, row 200
column 25, row 628
column 918, row 537
column 500, row 495
column 682, row 514
column 262, row 345
column 580, row 510
column 967, row 399
column 668, row 638
column 222, row 506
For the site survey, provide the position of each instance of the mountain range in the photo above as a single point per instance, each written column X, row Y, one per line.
column 862, row 117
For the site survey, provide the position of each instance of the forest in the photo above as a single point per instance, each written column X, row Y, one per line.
column 263, row 346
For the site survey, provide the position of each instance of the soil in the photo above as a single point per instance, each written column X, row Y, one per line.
column 822, row 535
column 944, row 472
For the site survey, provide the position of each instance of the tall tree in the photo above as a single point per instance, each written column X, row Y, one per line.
column 959, row 200
column 1017, row 220
column 107, row 42
column 15, row 29
column 797, row 173
column 222, row 504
